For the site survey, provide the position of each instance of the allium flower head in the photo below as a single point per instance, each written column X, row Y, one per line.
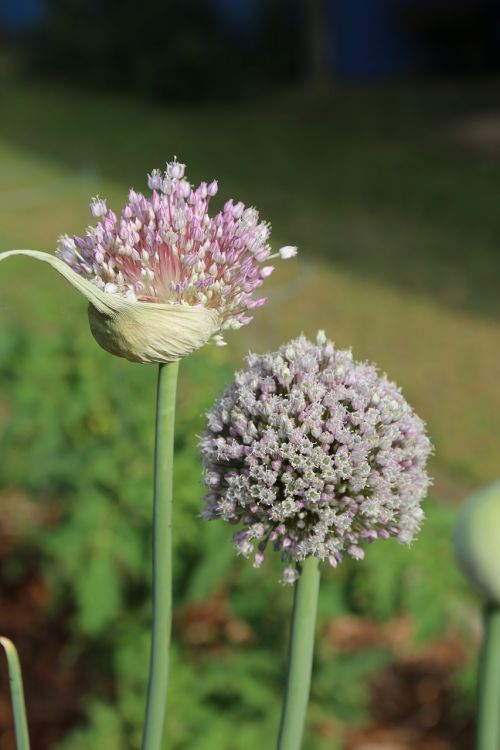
column 314, row 454
column 165, row 276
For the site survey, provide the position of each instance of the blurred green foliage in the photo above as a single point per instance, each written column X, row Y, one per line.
column 76, row 436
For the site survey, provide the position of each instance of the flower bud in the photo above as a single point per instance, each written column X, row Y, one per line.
column 212, row 188
column 155, row 180
column 175, row 170
column 289, row 251
column 98, row 207
column 476, row 540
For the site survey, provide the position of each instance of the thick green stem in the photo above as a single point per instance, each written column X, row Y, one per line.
column 162, row 558
column 17, row 695
column 488, row 721
column 300, row 656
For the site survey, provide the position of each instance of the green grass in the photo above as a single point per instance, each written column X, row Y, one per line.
column 397, row 223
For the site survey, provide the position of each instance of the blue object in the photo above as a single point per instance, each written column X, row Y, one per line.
column 21, row 15
column 241, row 17
column 370, row 41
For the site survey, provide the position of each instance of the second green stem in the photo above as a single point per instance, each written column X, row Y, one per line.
column 488, row 720
column 300, row 656
column 162, row 557
column 17, row 695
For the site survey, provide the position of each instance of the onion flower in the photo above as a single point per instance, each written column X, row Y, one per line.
column 315, row 455
column 166, row 277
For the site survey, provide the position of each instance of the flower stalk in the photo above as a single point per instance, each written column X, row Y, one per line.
column 162, row 557
column 300, row 656
column 17, row 695
column 488, row 720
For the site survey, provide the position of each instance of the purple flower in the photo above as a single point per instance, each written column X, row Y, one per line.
column 166, row 277
column 314, row 454
column 166, row 248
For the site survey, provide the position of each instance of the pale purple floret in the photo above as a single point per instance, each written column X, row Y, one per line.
column 314, row 454
column 166, row 248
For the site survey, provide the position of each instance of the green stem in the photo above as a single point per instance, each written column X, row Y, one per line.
column 488, row 722
column 17, row 695
column 162, row 558
column 300, row 656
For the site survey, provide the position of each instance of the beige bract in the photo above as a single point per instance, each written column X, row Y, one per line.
column 145, row 332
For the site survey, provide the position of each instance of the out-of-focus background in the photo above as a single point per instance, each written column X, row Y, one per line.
column 368, row 132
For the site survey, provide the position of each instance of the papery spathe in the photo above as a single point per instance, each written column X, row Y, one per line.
column 145, row 332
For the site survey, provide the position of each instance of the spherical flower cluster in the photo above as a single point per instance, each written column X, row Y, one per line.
column 314, row 454
column 167, row 249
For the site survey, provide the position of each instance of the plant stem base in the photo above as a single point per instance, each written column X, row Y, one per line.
column 488, row 720
column 300, row 656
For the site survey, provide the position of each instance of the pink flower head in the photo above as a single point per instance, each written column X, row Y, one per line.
column 315, row 455
column 166, row 248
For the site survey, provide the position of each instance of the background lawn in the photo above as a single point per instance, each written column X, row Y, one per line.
column 392, row 197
